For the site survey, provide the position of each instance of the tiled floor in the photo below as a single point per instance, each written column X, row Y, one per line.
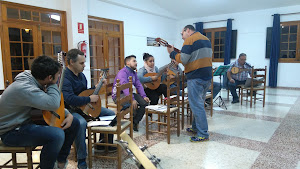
column 240, row 137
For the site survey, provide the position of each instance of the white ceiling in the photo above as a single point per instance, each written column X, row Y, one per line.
column 184, row 9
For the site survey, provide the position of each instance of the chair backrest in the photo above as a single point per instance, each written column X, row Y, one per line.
column 122, row 100
column 108, row 88
column 258, row 77
column 170, row 81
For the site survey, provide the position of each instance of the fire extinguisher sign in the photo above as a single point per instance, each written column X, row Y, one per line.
column 80, row 27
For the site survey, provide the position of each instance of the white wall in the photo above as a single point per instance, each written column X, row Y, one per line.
column 251, row 39
column 138, row 25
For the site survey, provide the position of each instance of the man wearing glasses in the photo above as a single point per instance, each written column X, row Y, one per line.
column 239, row 78
column 196, row 56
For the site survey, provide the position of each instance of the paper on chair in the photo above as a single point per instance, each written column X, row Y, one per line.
column 105, row 118
column 98, row 123
column 160, row 108
column 180, row 97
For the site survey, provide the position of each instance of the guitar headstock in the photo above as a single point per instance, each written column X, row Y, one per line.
column 162, row 42
column 61, row 56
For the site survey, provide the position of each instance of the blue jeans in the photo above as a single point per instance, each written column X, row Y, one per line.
column 80, row 139
column 232, row 88
column 55, row 141
column 197, row 89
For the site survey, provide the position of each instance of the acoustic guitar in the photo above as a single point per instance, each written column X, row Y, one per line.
column 236, row 70
column 93, row 109
column 55, row 118
column 155, row 84
column 166, row 44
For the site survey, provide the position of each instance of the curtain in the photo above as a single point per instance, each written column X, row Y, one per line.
column 228, row 42
column 275, row 49
column 199, row 27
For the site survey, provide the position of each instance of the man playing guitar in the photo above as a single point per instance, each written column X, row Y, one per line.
column 239, row 78
column 37, row 89
column 75, row 82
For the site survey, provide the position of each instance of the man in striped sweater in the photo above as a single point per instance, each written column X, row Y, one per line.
column 196, row 56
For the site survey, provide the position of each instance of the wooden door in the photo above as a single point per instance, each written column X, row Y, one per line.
column 106, row 42
column 28, row 32
column 21, row 46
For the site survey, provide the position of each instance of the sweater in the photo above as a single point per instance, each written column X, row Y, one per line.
column 196, row 57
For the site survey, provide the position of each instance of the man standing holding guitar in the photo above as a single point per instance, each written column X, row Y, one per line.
column 237, row 74
column 196, row 56
column 37, row 89
column 75, row 83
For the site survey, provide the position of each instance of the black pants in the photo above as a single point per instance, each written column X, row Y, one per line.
column 140, row 111
column 153, row 95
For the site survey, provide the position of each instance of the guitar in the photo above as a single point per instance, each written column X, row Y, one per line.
column 55, row 118
column 236, row 70
column 93, row 109
column 166, row 44
column 155, row 84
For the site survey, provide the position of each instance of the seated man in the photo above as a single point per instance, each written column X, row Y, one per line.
column 216, row 91
column 37, row 89
column 239, row 78
column 74, row 83
column 141, row 98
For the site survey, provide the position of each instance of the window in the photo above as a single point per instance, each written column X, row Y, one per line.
column 289, row 42
column 217, row 38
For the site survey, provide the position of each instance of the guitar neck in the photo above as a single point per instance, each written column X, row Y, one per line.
column 97, row 90
column 62, row 77
column 175, row 49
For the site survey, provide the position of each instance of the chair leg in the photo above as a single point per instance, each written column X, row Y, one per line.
column 178, row 123
column 119, row 157
column 168, row 129
column 29, row 158
column 264, row 98
column 158, row 119
column 211, row 107
column 147, row 125
column 14, row 160
column 89, row 147
column 251, row 95
column 182, row 115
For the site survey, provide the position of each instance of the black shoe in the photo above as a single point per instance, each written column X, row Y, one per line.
column 235, row 101
column 101, row 149
column 135, row 127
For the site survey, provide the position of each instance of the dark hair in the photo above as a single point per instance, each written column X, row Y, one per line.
column 242, row 54
column 191, row 27
column 44, row 66
column 146, row 56
column 128, row 58
column 73, row 55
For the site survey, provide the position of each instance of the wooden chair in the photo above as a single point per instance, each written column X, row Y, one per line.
column 184, row 102
column 174, row 111
column 108, row 92
column 118, row 129
column 14, row 151
column 256, row 85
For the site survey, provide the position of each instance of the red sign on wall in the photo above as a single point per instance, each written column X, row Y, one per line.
column 80, row 27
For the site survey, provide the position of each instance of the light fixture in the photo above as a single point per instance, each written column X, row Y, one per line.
column 27, row 30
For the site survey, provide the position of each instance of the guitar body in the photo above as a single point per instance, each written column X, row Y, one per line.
column 236, row 70
column 52, row 120
column 153, row 85
column 96, row 107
